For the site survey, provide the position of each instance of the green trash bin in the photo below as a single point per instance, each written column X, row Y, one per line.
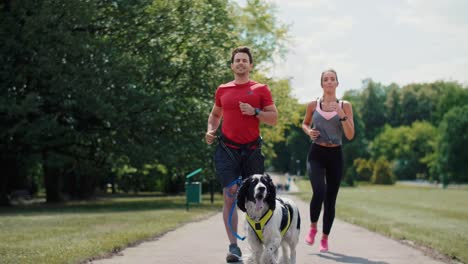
column 193, row 189
column 193, row 192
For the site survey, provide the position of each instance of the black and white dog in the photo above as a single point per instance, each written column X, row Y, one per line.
column 271, row 222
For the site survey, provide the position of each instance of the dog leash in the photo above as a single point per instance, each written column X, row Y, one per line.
column 238, row 181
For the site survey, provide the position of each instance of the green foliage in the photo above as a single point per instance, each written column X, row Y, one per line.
column 294, row 149
column 296, row 144
column 382, row 172
column 47, row 85
column 357, row 147
column 404, row 126
column 394, row 111
column 364, row 169
column 372, row 108
column 92, row 86
column 451, row 95
column 407, row 147
column 288, row 114
column 257, row 26
column 454, row 139
column 419, row 102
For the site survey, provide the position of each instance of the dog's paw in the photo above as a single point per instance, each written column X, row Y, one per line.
column 251, row 260
column 284, row 260
column 268, row 259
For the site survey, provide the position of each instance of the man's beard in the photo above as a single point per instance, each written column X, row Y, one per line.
column 243, row 71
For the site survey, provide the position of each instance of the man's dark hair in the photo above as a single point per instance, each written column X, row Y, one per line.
column 242, row 49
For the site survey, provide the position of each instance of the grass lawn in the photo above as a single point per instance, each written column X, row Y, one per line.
column 431, row 217
column 74, row 232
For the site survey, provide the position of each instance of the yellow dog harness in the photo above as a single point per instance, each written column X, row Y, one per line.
column 259, row 225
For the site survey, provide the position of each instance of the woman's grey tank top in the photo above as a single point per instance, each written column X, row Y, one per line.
column 329, row 125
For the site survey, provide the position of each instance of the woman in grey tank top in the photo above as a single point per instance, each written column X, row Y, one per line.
column 330, row 119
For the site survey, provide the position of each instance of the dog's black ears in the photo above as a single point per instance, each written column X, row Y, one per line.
column 242, row 194
column 271, row 197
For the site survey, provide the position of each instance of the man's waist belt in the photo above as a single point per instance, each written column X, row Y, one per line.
column 256, row 143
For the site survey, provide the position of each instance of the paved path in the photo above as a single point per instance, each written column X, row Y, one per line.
column 206, row 242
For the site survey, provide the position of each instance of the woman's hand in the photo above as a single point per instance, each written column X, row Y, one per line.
column 313, row 133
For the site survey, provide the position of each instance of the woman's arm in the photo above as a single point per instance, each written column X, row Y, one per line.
column 307, row 122
column 348, row 124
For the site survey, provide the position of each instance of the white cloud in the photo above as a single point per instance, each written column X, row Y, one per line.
column 389, row 41
column 305, row 4
column 453, row 70
column 435, row 16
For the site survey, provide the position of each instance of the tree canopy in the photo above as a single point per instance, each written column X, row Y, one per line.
column 97, row 92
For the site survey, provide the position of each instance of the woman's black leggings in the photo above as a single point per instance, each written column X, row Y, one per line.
column 325, row 168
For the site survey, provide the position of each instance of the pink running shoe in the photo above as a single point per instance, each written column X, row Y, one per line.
column 324, row 245
column 310, row 238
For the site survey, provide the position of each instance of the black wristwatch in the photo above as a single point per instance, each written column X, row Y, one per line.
column 344, row 118
column 257, row 111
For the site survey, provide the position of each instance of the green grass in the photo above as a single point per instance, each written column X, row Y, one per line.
column 431, row 217
column 75, row 232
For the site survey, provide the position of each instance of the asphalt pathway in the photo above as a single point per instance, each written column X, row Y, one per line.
column 206, row 242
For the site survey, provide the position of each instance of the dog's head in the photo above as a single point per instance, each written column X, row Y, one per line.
column 258, row 189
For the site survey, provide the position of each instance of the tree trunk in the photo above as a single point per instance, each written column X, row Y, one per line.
column 10, row 171
column 52, row 181
column 87, row 185
column 4, row 200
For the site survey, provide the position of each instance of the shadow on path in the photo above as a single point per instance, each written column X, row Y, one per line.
column 340, row 258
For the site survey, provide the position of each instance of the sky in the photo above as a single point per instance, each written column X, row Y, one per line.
column 389, row 41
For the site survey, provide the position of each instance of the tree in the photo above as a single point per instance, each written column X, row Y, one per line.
column 357, row 147
column 407, row 148
column 419, row 102
column 49, row 57
column 87, row 85
column 393, row 113
column 451, row 94
column 288, row 114
column 454, row 139
column 372, row 108
column 257, row 26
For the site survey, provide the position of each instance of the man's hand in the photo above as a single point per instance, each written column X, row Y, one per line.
column 246, row 109
column 210, row 136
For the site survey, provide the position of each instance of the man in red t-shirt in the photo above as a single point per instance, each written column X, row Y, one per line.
column 242, row 104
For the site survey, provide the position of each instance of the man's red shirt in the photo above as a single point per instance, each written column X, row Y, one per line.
column 237, row 127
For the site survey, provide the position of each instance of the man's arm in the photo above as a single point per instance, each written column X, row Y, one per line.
column 213, row 123
column 268, row 115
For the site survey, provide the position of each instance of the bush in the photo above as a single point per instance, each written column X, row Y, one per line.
column 363, row 169
column 382, row 172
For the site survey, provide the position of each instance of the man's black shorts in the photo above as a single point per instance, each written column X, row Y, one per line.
column 241, row 163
